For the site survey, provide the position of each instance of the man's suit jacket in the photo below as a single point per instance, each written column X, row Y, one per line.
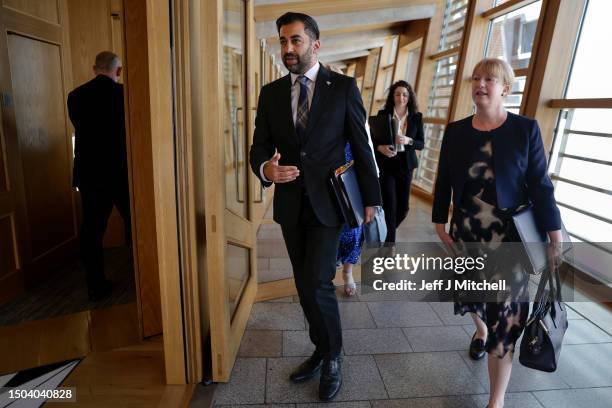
column 415, row 132
column 336, row 116
column 519, row 167
column 96, row 111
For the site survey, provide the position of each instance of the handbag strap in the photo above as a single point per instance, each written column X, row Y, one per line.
column 548, row 293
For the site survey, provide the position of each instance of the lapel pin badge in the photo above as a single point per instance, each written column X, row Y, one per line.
column 328, row 83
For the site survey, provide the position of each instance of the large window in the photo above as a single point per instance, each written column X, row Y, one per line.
column 408, row 58
column 369, row 79
column 454, row 20
column 581, row 160
column 511, row 38
column 441, row 90
column 385, row 73
column 438, row 103
column 511, row 35
column 412, row 65
column 593, row 58
column 428, row 159
column 234, row 77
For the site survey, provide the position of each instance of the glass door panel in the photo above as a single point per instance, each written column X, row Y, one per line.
column 234, row 102
column 237, row 271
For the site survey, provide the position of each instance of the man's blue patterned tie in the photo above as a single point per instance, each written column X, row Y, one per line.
column 301, row 120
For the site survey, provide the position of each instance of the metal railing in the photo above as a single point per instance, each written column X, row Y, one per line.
column 576, row 202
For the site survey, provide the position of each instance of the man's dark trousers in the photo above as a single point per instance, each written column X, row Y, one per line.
column 97, row 203
column 312, row 248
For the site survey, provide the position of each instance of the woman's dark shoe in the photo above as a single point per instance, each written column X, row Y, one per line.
column 477, row 348
column 307, row 369
column 331, row 379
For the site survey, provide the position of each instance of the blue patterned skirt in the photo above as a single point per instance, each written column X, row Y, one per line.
column 351, row 239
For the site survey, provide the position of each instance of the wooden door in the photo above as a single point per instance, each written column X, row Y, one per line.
column 37, row 217
column 229, row 197
column 11, row 274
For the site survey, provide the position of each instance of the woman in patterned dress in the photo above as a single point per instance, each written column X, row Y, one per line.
column 493, row 163
column 349, row 248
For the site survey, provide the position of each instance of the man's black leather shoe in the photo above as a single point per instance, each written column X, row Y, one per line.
column 477, row 348
column 331, row 379
column 307, row 369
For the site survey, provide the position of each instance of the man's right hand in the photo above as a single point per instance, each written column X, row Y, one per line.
column 279, row 174
column 386, row 150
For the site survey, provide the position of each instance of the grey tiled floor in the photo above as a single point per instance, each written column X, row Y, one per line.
column 402, row 354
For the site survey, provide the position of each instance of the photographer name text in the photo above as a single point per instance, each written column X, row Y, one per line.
column 440, row 284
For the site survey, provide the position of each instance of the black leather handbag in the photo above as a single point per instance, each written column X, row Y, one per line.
column 544, row 331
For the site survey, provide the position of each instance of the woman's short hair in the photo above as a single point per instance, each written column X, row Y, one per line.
column 496, row 67
column 412, row 103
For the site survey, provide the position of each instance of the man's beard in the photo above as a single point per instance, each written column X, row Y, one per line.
column 302, row 64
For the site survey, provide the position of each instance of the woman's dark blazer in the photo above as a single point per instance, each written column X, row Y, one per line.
column 415, row 131
column 519, row 164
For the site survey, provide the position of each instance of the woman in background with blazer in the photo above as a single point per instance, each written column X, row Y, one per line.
column 397, row 165
column 494, row 165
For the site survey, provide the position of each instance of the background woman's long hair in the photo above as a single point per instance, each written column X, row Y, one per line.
column 412, row 103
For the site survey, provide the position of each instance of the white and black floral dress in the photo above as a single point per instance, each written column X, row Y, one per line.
column 479, row 220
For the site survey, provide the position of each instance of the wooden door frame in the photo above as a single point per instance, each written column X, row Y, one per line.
column 225, row 337
column 185, row 15
column 188, row 281
column 150, row 112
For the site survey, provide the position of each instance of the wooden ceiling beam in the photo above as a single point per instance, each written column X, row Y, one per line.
column 395, row 28
column 270, row 12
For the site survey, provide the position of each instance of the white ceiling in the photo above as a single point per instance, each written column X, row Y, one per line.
column 266, row 29
column 339, row 47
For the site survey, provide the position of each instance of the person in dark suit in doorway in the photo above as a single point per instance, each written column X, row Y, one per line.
column 96, row 110
column 304, row 121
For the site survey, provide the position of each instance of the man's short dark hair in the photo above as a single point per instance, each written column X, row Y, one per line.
column 310, row 25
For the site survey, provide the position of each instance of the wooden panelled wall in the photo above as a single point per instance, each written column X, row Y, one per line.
column 37, row 212
column 42, row 226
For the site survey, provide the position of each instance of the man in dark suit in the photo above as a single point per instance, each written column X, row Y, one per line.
column 100, row 163
column 304, row 121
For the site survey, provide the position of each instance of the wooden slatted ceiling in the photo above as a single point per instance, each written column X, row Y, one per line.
column 321, row 7
column 394, row 28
